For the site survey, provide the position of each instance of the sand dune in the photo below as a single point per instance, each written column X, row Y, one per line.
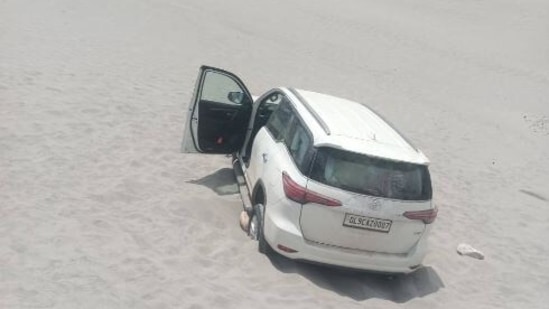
column 98, row 209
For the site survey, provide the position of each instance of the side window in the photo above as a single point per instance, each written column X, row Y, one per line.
column 300, row 146
column 280, row 120
column 220, row 88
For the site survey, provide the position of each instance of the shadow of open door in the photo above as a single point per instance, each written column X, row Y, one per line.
column 222, row 182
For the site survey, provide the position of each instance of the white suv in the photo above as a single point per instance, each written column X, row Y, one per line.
column 324, row 179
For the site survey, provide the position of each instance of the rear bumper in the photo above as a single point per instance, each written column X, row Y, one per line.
column 288, row 235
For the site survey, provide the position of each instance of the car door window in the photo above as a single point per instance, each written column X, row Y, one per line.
column 280, row 121
column 300, row 146
column 218, row 88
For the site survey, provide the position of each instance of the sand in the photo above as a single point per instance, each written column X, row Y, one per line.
column 99, row 209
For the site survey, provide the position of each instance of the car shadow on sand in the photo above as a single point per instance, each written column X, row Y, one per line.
column 356, row 285
column 222, row 182
column 361, row 285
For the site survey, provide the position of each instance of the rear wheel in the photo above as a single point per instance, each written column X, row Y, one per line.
column 256, row 229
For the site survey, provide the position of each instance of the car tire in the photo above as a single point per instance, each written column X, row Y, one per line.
column 256, row 229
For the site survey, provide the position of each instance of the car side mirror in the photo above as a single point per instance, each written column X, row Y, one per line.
column 236, row 97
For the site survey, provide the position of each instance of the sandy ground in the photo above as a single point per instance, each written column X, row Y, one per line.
column 98, row 209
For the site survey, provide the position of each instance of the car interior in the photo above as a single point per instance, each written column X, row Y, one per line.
column 264, row 111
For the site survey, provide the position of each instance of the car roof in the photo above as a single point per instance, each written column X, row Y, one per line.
column 344, row 124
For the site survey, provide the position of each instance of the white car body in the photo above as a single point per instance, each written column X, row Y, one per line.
column 305, row 218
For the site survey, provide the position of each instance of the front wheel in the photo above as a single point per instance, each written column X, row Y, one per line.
column 256, row 229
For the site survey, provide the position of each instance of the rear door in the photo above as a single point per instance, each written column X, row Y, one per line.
column 218, row 114
column 363, row 221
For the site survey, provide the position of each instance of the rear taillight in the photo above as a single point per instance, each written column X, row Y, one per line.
column 427, row 216
column 301, row 195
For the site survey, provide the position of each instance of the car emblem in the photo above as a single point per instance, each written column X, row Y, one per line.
column 375, row 204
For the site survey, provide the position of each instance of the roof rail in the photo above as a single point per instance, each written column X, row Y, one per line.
column 311, row 110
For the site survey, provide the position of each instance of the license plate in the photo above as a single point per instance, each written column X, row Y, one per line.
column 367, row 223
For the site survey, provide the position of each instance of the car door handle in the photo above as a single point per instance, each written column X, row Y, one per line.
column 265, row 157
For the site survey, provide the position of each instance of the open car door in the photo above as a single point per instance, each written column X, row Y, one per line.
column 218, row 114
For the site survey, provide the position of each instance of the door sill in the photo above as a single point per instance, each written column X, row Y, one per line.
column 242, row 187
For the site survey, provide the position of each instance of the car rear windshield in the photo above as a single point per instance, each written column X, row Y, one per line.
column 371, row 176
